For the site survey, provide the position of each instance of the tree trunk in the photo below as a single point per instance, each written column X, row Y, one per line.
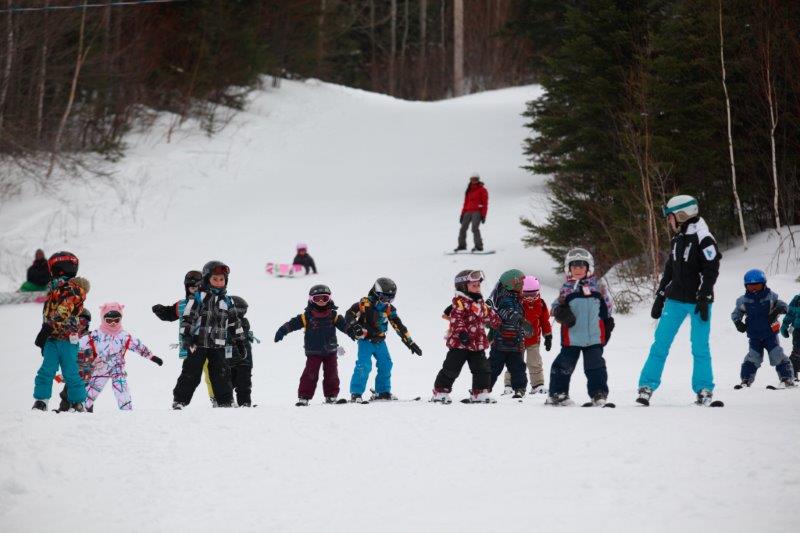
column 766, row 57
column 403, row 45
column 730, row 130
column 7, row 67
column 458, row 47
column 443, row 46
column 422, row 68
column 42, row 77
column 321, row 36
column 81, row 56
column 392, row 44
column 372, row 47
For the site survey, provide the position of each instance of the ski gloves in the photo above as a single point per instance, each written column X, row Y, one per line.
column 463, row 337
column 157, row 360
column 703, row 302
column 356, row 331
column 741, row 327
column 411, row 345
column 548, row 342
column 564, row 315
column 609, row 326
column 658, row 305
column 785, row 331
column 43, row 334
column 280, row 334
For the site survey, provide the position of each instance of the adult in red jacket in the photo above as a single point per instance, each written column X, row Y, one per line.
column 476, row 204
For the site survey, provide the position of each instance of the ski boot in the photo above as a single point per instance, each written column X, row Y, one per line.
column 559, row 399
column 246, row 404
column 744, row 384
column 538, row 389
column 480, row 396
column 39, row 405
column 705, row 398
column 77, row 407
column 356, row 398
column 599, row 399
column 507, row 390
column 335, row 400
column 644, row 396
column 788, row 383
column 441, row 396
column 213, row 402
column 302, row 402
column 518, row 394
column 178, row 406
column 460, row 249
column 382, row 396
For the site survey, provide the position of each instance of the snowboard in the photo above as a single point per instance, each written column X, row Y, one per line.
column 285, row 270
column 18, row 297
column 467, row 252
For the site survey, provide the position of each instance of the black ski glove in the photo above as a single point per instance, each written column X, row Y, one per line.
column 460, row 219
column 741, row 327
column 415, row 349
column 280, row 334
column 658, row 305
column 463, row 337
column 609, row 326
column 42, row 336
column 483, row 220
column 564, row 315
column 702, row 307
column 548, row 342
column 157, row 360
column 356, row 332
column 241, row 347
column 166, row 313
column 773, row 315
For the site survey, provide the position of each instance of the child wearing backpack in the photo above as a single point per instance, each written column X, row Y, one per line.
column 320, row 322
column 791, row 326
column 508, row 340
column 538, row 316
column 761, row 307
column 584, row 311
column 109, row 344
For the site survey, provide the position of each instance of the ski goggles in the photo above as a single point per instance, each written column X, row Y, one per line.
column 320, row 299
column 385, row 297
column 221, row 270
column 475, row 275
column 579, row 263
column 112, row 319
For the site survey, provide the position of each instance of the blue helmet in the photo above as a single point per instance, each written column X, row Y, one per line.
column 755, row 276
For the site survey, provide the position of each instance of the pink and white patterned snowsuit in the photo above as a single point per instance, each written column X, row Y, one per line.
column 109, row 364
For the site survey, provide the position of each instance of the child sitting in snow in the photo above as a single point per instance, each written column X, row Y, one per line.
column 302, row 258
column 109, row 344
column 791, row 326
column 320, row 322
column 761, row 307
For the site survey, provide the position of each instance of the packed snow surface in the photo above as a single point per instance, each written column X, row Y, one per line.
column 374, row 185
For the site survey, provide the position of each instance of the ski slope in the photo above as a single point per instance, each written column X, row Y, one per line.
column 374, row 185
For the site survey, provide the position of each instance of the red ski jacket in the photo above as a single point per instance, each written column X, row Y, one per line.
column 539, row 317
column 467, row 315
column 476, row 199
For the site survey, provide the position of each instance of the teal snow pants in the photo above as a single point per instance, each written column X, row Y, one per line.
column 64, row 354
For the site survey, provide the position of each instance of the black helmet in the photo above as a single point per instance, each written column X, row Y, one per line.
column 192, row 278
column 63, row 264
column 215, row 267
column 86, row 315
column 239, row 304
column 319, row 295
column 384, row 289
column 319, row 289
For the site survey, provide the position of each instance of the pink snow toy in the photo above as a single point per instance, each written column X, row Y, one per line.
column 302, row 246
column 530, row 284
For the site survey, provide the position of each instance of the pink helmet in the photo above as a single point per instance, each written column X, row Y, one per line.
column 530, row 284
column 302, row 246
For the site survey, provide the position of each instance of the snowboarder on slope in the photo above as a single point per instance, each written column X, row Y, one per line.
column 476, row 205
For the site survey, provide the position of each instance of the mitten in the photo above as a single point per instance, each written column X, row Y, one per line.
column 157, row 360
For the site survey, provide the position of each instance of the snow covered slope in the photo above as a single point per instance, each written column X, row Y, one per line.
column 374, row 185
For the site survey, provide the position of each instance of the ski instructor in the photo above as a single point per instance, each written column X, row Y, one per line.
column 476, row 204
column 686, row 289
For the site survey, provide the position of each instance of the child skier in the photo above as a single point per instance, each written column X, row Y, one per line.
column 583, row 309
column 538, row 317
column 686, row 289
column 320, row 321
column 791, row 326
column 302, row 258
column 761, row 307
column 466, row 339
column 373, row 314
column 508, row 340
column 209, row 325
column 241, row 363
column 85, row 361
column 60, row 331
column 109, row 344
column 171, row 313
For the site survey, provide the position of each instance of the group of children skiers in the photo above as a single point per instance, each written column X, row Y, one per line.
column 214, row 337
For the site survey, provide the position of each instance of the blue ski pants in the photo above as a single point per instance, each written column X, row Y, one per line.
column 672, row 317
column 383, row 361
column 755, row 356
column 64, row 354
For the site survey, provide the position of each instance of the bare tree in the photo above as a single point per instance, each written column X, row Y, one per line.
column 458, row 47
column 422, row 70
column 9, row 60
column 404, row 44
column 42, row 76
column 392, row 44
column 772, row 101
column 730, row 129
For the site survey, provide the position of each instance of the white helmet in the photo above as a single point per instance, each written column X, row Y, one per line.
column 682, row 206
column 579, row 254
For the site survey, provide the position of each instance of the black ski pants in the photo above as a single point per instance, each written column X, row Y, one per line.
column 594, row 366
column 192, row 372
column 454, row 362
column 242, row 382
column 795, row 356
column 514, row 361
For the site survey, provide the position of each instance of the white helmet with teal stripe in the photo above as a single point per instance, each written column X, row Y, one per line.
column 682, row 206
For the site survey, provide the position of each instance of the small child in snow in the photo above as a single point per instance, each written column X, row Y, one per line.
column 320, row 322
column 761, row 307
column 171, row 313
column 508, row 340
column 538, row 317
column 583, row 309
column 210, row 327
column 85, row 361
column 60, row 331
column 302, row 258
column 109, row 344
column 241, row 363
column 466, row 339
column 374, row 314
column 791, row 326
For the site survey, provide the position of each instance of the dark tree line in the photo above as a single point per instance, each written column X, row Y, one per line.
column 636, row 111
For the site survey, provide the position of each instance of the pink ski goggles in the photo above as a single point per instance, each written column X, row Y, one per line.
column 320, row 299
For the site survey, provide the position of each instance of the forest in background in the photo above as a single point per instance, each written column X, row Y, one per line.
column 647, row 99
